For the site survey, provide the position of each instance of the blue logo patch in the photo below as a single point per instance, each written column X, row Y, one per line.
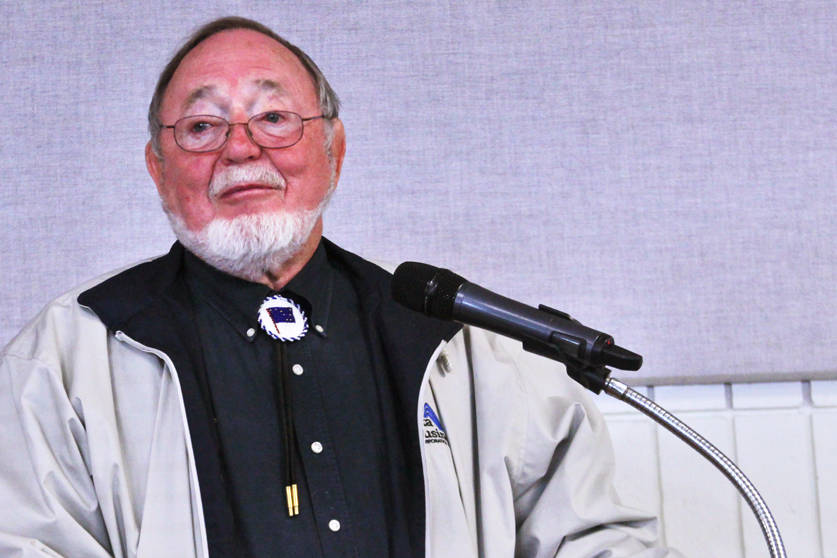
column 434, row 432
column 429, row 414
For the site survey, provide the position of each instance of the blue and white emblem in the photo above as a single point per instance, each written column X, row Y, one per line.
column 429, row 414
column 282, row 319
column 434, row 431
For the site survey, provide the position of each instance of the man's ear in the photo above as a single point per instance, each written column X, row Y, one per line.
column 338, row 146
column 154, row 164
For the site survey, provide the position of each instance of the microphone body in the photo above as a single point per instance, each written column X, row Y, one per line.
column 478, row 306
column 440, row 293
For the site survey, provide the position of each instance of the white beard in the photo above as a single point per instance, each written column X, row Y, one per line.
column 249, row 245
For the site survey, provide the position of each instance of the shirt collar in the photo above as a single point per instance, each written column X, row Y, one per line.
column 238, row 300
column 313, row 284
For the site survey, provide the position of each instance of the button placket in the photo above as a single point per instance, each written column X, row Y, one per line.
column 325, row 486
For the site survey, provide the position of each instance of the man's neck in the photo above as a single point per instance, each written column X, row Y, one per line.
column 280, row 276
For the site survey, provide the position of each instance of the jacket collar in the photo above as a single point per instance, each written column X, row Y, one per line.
column 130, row 299
column 120, row 298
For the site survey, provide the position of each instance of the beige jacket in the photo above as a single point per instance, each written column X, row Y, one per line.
column 97, row 463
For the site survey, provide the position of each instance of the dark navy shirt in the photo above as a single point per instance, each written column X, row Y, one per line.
column 352, row 484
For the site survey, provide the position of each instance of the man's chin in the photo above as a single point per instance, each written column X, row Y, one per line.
column 247, row 245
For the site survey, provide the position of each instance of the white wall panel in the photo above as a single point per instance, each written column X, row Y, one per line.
column 700, row 507
column 775, row 451
column 637, row 472
column 824, row 393
column 768, row 395
column 708, row 397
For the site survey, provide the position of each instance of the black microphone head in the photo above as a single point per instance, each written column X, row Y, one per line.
column 425, row 288
column 409, row 282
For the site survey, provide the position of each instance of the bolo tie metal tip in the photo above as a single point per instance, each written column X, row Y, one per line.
column 292, row 496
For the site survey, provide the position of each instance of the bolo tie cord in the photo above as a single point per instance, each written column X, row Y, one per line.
column 285, row 400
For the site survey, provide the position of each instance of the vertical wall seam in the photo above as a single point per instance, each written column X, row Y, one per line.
column 738, row 500
column 658, row 464
column 808, row 405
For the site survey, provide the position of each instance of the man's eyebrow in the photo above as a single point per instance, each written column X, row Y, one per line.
column 269, row 85
column 197, row 94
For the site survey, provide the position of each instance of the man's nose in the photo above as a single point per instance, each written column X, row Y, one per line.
column 240, row 145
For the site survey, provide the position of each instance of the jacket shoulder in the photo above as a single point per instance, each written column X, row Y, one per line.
column 62, row 319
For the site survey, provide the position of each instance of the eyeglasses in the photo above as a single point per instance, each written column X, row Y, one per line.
column 273, row 129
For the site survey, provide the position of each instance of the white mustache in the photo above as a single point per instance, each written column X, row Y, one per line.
column 237, row 175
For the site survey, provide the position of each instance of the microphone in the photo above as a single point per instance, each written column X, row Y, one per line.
column 442, row 294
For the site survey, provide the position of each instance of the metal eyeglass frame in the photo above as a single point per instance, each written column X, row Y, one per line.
column 302, row 121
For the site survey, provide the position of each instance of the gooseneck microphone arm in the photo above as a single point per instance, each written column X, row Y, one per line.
column 716, row 457
column 443, row 294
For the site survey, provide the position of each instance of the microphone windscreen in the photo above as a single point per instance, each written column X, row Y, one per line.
column 409, row 283
column 427, row 289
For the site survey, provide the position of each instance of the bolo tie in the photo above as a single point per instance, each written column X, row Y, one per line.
column 285, row 400
column 284, row 321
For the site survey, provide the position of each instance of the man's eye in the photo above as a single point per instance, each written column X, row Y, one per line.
column 274, row 117
column 200, row 127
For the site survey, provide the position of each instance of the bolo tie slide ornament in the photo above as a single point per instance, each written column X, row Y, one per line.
column 282, row 319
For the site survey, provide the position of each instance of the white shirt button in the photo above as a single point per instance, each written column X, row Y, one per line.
column 317, row 447
column 251, row 332
column 319, row 328
column 334, row 525
column 297, row 369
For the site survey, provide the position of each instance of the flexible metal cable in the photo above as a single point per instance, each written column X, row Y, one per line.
column 619, row 390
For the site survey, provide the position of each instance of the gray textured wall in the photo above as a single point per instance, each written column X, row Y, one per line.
column 664, row 171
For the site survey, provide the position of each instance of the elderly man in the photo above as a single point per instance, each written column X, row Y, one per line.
column 256, row 391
